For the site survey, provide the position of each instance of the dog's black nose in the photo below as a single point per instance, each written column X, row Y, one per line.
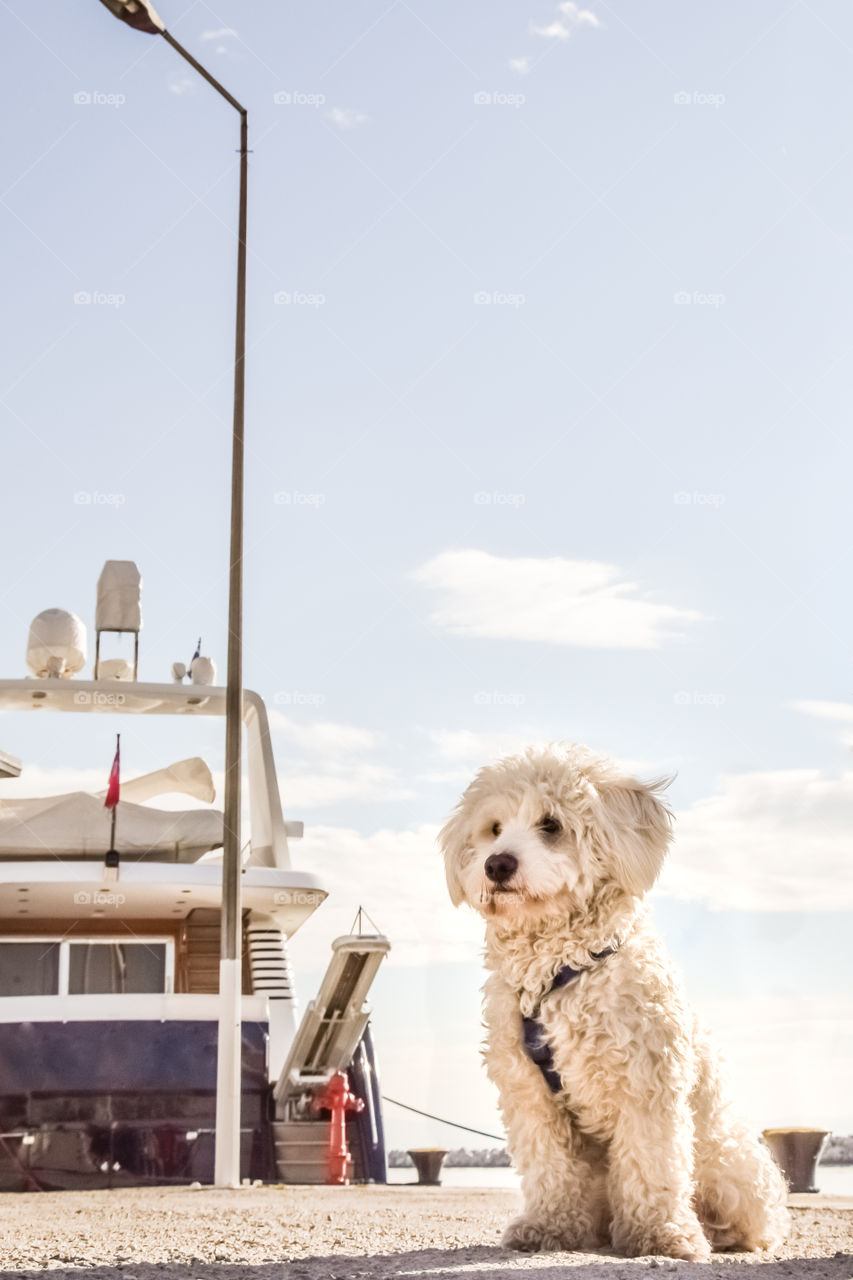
column 501, row 867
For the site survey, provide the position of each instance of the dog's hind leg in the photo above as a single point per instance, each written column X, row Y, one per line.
column 740, row 1193
column 562, row 1193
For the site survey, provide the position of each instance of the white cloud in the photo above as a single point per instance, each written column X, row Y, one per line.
column 550, row 601
column 469, row 747
column 36, row 781
column 520, row 65
column 839, row 712
column 345, row 117
column 769, row 841
column 790, row 1058
column 825, row 710
column 571, row 17
column 183, row 85
column 324, row 736
column 467, row 750
column 398, row 877
column 219, row 34
column 324, row 763
column 364, row 782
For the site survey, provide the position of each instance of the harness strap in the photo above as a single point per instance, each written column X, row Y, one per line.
column 533, row 1038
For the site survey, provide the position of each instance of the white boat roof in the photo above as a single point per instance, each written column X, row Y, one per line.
column 32, row 890
column 77, row 825
column 120, row 697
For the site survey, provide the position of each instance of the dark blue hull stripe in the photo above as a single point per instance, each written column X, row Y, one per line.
column 109, row 1104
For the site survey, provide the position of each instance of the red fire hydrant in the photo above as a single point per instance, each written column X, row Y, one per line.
column 336, row 1098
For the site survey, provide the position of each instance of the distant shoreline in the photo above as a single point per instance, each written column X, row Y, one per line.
column 839, row 1151
column 461, row 1158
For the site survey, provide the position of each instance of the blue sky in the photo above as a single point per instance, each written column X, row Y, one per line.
column 547, row 423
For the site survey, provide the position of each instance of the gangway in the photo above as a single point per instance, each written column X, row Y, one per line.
column 334, row 1021
column 333, row 1036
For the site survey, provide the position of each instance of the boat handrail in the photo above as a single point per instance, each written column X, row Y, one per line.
column 180, row 1006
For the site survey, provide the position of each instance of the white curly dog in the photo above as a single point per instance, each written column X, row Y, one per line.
column 615, row 1107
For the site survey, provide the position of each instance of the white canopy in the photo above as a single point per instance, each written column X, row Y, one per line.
column 78, row 826
column 118, row 607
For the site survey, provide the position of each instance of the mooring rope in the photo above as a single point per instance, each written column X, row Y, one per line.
column 441, row 1119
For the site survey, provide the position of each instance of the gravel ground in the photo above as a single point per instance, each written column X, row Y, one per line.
column 344, row 1233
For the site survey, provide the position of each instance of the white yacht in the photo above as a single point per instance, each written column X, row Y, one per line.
column 109, row 950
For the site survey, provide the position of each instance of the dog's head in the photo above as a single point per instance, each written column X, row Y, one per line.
column 541, row 833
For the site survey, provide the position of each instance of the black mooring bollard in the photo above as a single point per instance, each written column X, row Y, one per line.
column 427, row 1162
column 797, row 1152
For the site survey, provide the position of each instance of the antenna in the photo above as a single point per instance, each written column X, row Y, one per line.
column 358, row 925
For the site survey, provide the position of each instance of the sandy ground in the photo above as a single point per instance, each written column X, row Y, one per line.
column 324, row 1233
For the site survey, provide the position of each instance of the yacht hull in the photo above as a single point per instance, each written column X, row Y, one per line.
column 86, row 1105
column 105, row 1104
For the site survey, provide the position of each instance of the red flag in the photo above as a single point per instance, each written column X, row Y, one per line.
column 113, row 785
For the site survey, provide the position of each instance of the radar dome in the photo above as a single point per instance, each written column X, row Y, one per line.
column 57, row 644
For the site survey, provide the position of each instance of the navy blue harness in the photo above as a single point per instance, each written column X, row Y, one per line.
column 533, row 1039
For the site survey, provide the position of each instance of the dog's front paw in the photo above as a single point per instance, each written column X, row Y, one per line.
column 668, row 1241
column 532, row 1235
column 523, row 1234
column 686, row 1249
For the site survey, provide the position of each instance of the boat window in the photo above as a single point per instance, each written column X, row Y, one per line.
column 88, row 967
column 29, row 968
column 104, row 968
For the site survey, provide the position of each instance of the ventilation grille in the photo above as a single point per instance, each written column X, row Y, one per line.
column 269, row 963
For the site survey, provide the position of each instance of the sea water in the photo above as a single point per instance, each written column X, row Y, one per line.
column 831, row 1179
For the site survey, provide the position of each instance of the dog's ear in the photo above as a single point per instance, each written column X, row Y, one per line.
column 641, row 825
column 453, row 840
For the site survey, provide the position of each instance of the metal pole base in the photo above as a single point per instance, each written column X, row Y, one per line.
column 226, row 1171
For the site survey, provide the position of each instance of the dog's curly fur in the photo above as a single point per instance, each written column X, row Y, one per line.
column 641, row 1146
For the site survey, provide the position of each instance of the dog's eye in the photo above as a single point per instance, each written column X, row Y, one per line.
column 550, row 825
column 496, row 828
